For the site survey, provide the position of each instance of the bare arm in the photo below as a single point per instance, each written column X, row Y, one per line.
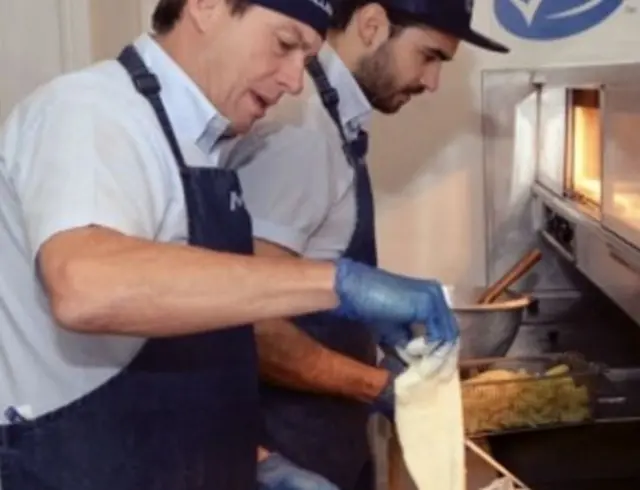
column 290, row 357
column 101, row 281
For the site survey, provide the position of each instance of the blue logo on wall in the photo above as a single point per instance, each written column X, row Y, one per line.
column 546, row 20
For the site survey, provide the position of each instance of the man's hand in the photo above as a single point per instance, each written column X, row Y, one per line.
column 278, row 473
column 385, row 402
column 390, row 304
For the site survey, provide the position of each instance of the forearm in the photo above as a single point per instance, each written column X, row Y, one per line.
column 291, row 358
column 100, row 281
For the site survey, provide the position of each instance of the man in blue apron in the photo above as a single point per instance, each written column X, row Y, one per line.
column 125, row 259
column 307, row 188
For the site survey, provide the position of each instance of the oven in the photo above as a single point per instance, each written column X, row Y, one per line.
column 561, row 156
column 570, row 153
column 565, row 170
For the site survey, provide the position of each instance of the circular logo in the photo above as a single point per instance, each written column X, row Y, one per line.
column 547, row 20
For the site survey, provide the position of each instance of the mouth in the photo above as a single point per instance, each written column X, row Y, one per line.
column 406, row 95
column 261, row 102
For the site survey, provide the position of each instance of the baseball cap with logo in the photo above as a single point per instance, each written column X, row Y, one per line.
column 315, row 13
column 452, row 17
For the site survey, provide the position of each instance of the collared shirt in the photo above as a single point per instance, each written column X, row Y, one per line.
column 297, row 183
column 194, row 119
column 86, row 149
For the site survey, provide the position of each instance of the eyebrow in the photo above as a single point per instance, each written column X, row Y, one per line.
column 438, row 53
column 300, row 39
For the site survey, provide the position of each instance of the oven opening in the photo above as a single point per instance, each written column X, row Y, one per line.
column 583, row 179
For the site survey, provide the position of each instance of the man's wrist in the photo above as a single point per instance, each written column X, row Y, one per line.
column 321, row 277
column 384, row 403
column 378, row 383
column 262, row 454
column 387, row 391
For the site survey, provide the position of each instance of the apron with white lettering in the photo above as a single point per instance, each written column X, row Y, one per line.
column 184, row 414
column 326, row 434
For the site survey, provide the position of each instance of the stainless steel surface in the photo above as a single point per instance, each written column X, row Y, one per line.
column 523, row 129
column 619, row 396
column 612, row 264
column 593, row 457
column 487, row 330
column 587, row 75
column 621, row 179
column 495, row 464
column 510, row 154
column 553, row 131
column 592, row 325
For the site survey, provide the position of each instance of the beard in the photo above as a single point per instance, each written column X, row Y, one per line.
column 376, row 75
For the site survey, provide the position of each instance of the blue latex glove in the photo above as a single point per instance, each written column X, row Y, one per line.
column 391, row 303
column 278, row 473
column 385, row 402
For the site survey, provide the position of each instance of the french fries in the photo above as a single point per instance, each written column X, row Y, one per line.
column 502, row 399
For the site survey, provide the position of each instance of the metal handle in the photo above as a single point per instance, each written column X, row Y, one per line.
column 524, row 265
column 557, row 247
column 615, row 255
column 493, row 463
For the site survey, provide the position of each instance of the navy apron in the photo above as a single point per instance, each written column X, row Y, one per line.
column 327, row 434
column 184, row 414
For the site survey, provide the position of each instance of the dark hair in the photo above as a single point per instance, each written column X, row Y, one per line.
column 345, row 9
column 168, row 12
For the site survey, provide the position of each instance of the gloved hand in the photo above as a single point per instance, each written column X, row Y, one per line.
column 391, row 303
column 278, row 473
column 385, row 402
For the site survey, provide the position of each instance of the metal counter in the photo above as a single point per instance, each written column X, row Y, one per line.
column 590, row 324
column 602, row 456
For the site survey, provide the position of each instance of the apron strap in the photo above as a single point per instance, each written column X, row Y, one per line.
column 147, row 84
column 356, row 150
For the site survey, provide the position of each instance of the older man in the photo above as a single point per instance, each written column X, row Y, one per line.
column 125, row 259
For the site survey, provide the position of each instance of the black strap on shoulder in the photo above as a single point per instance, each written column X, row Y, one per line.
column 330, row 99
column 147, row 84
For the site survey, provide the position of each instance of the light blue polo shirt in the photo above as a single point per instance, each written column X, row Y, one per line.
column 296, row 181
column 86, row 149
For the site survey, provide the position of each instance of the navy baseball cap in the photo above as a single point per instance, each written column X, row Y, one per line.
column 315, row 13
column 452, row 17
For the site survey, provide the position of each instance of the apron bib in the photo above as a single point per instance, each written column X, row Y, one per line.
column 184, row 414
column 326, row 434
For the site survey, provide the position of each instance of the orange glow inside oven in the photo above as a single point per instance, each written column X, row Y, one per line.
column 585, row 147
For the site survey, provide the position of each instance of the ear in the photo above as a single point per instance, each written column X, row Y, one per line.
column 204, row 13
column 372, row 25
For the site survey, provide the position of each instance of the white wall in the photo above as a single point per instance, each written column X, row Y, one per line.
column 41, row 39
column 36, row 44
column 426, row 161
column 427, row 178
column 114, row 23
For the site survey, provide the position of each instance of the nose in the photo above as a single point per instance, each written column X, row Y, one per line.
column 292, row 74
column 431, row 77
